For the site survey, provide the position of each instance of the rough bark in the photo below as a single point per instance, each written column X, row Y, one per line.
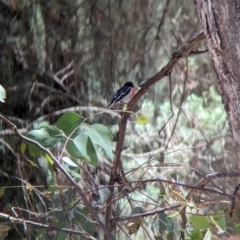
column 220, row 21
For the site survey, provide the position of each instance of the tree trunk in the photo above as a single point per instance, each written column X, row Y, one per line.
column 220, row 20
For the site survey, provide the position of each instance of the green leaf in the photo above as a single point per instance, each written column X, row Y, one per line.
column 142, row 119
column 47, row 136
column 73, row 171
column 162, row 227
column 61, row 221
column 2, row 94
column 220, row 221
column 33, row 164
column 69, row 162
column 49, row 159
column 199, row 222
column 41, row 124
column 82, row 147
column 33, row 150
column 23, row 148
column 196, row 235
column 68, row 122
column 80, row 216
column 101, row 136
column 41, row 235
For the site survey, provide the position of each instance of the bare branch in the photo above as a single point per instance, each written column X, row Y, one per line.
column 62, row 71
column 146, row 214
column 162, row 18
column 209, row 178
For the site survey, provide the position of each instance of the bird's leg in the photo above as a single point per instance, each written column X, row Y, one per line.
column 124, row 107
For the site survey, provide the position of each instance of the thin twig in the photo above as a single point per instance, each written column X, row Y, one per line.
column 146, row 214
column 199, row 186
column 67, row 75
column 62, row 71
column 41, row 225
column 209, row 178
column 177, row 40
column 198, row 52
column 162, row 18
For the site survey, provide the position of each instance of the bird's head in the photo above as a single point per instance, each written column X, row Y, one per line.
column 128, row 84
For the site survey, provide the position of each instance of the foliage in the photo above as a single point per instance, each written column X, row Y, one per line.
column 80, row 138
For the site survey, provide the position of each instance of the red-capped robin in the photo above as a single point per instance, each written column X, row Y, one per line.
column 123, row 95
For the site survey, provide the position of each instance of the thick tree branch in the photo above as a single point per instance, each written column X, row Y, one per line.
column 222, row 30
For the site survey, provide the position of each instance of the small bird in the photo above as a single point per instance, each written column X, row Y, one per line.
column 123, row 95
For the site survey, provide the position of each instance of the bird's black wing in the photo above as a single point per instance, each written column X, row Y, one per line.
column 123, row 91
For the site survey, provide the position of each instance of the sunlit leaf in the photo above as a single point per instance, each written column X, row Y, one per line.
column 83, row 148
column 68, row 122
column 69, row 161
column 199, row 222
column 196, row 235
column 47, row 136
column 33, row 164
column 49, row 159
column 41, row 124
column 23, row 147
column 2, row 94
column 142, row 119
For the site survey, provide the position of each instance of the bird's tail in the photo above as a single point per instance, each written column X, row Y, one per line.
column 111, row 104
